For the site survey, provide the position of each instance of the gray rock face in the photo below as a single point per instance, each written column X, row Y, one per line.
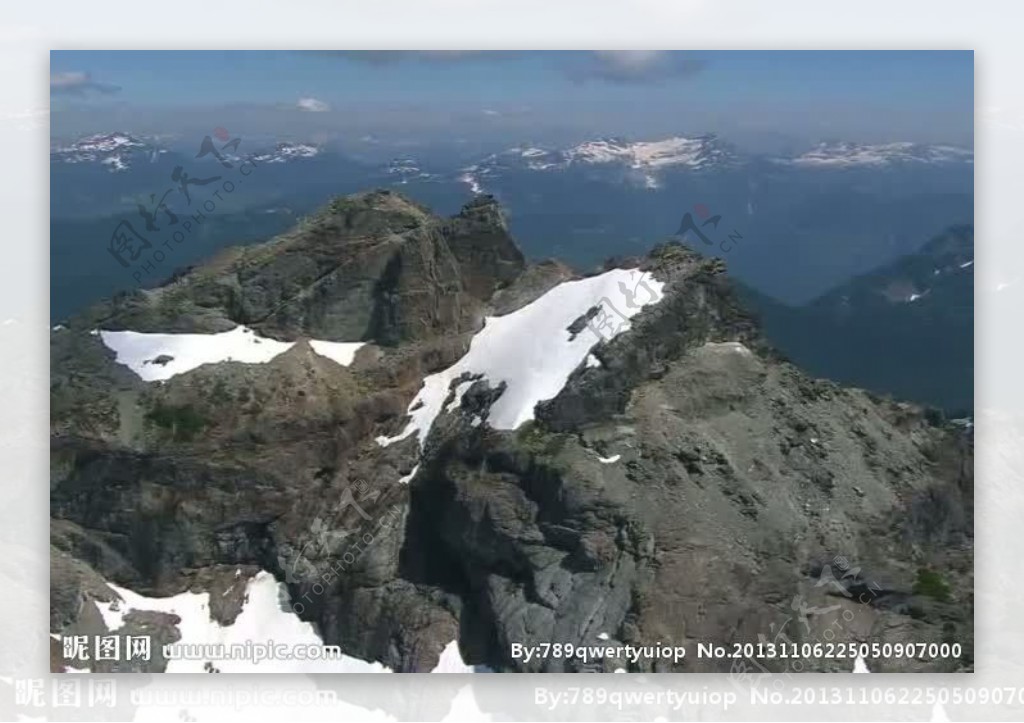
column 375, row 266
column 692, row 487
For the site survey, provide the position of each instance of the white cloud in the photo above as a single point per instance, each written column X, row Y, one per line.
column 78, row 83
column 312, row 105
column 638, row 66
column 632, row 60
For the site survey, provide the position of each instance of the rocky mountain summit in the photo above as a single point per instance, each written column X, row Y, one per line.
column 427, row 440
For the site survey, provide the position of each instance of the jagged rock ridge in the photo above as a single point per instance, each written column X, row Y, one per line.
column 685, row 485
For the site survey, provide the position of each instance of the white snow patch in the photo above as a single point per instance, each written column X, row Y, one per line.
column 471, row 181
column 531, row 349
column 966, row 264
column 593, row 361
column 182, row 353
column 116, row 163
column 610, row 460
column 408, row 478
column 265, row 617
column 859, row 666
column 733, row 346
column 139, row 351
column 451, row 660
column 342, row 352
column 602, row 636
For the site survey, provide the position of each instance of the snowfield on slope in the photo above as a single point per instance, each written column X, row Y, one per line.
column 532, row 350
column 266, row 617
column 158, row 357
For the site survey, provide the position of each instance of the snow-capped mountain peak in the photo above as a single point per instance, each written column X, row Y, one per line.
column 115, row 151
column 284, row 152
column 845, row 154
column 107, row 142
column 404, row 170
column 642, row 161
column 699, row 152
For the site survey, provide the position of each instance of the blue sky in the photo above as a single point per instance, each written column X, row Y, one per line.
column 755, row 97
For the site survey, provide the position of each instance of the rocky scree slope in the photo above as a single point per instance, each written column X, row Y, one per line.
column 685, row 485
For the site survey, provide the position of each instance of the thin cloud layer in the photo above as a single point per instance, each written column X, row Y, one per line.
column 637, row 66
column 79, row 83
column 312, row 105
column 387, row 57
column 615, row 66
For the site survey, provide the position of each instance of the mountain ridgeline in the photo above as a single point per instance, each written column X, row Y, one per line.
column 675, row 481
column 808, row 219
column 905, row 329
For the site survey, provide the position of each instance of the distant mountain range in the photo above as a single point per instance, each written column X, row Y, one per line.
column 905, row 329
column 114, row 152
column 802, row 223
column 847, row 155
column 119, row 152
column 644, row 162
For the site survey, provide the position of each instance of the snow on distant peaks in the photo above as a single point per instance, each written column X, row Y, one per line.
column 531, row 350
column 106, row 142
column 646, row 157
column 285, row 152
column 471, row 180
column 693, row 153
column 845, row 155
column 115, row 151
column 405, row 170
column 158, row 357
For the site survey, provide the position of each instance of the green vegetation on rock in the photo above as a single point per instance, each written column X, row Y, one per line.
column 931, row 584
column 183, row 421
